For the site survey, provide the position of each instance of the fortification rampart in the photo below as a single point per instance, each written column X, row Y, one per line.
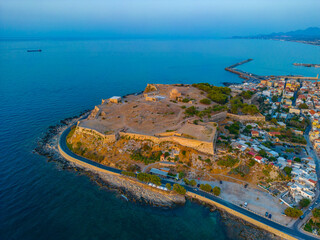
column 201, row 146
column 107, row 138
column 247, row 118
column 219, row 117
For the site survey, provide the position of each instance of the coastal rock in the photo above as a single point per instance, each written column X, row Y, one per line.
column 240, row 229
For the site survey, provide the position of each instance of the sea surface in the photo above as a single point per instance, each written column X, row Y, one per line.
column 38, row 200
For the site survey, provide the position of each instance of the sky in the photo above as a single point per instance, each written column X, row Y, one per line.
column 154, row 18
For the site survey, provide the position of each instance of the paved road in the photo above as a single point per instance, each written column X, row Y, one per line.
column 312, row 154
column 292, row 232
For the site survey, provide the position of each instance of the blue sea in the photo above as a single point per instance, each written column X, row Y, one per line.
column 39, row 200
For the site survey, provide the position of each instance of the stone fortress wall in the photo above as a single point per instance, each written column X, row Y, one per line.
column 107, row 138
column 201, row 146
column 247, row 118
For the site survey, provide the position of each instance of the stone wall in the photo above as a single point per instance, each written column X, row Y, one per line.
column 107, row 138
column 247, row 118
column 201, row 146
column 219, row 117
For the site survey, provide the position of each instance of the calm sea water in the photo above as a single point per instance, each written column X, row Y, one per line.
column 40, row 201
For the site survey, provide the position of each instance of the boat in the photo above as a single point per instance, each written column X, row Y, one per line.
column 34, row 50
column 124, row 197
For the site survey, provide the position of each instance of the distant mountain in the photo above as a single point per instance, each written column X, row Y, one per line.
column 310, row 36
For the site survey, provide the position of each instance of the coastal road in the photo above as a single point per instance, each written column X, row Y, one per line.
column 293, row 232
column 297, row 225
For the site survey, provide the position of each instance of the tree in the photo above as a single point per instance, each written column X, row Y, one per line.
column 304, row 202
column 193, row 183
column 303, row 106
column 274, row 121
column 205, row 101
column 274, row 98
column 287, row 170
column 205, row 187
column 262, row 153
column 297, row 159
column 316, row 212
column 250, row 109
column 168, row 186
column 179, row 189
column 293, row 212
column 216, row 191
column 181, row 175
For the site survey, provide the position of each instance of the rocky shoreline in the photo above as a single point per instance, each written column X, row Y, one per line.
column 137, row 192
column 131, row 189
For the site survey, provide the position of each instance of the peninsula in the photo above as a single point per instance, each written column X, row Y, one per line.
column 248, row 146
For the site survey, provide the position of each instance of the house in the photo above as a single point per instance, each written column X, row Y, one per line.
column 254, row 133
column 294, row 110
column 273, row 134
column 115, row 99
column 259, row 159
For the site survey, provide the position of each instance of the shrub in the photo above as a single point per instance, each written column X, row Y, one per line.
column 205, row 101
column 129, row 174
column 293, row 212
column 168, row 186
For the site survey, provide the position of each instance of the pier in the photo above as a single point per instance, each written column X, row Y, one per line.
column 250, row 77
column 307, row 65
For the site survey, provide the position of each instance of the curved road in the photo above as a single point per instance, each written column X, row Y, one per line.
column 293, row 232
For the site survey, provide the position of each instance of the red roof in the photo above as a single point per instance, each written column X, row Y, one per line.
column 312, row 112
column 252, row 153
column 312, row 181
column 258, row 158
column 274, row 133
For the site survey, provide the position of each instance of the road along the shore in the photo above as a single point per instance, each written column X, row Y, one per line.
column 259, row 221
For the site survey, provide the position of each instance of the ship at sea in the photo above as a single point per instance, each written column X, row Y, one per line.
column 34, row 50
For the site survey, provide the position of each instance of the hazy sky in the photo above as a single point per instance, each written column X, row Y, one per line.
column 154, row 18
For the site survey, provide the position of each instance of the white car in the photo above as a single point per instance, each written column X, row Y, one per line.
column 310, row 208
column 245, row 204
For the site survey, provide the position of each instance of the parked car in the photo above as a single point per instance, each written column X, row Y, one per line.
column 270, row 215
column 267, row 214
column 310, row 208
column 245, row 204
column 245, row 186
column 220, row 182
column 302, row 217
column 198, row 185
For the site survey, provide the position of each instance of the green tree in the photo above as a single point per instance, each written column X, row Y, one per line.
column 293, row 212
column 304, row 202
column 181, row 175
column 274, row 98
column 287, row 170
column 179, row 189
column 303, row 106
column 205, row 187
column 193, row 183
column 216, row 191
column 168, row 186
column 316, row 212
